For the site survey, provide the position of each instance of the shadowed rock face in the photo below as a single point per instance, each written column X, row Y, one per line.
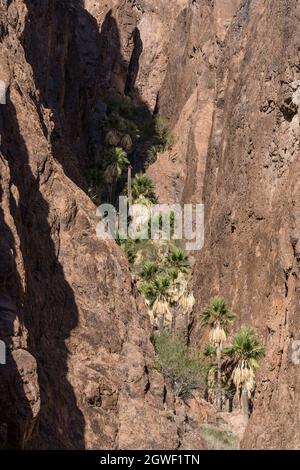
column 251, row 195
column 79, row 355
column 79, row 358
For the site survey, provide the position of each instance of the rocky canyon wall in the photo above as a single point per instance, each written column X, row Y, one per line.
column 223, row 74
column 79, row 358
column 251, row 191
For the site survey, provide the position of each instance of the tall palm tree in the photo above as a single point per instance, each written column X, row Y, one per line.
column 218, row 317
column 161, row 308
column 178, row 293
column 118, row 163
column 156, row 292
column 245, row 351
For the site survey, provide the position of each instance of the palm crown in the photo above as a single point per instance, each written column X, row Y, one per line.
column 142, row 187
column 149, row 269
column 216, row 314
column 246, row 346
column 245, row 351
column 119, row 161
column 178, row 259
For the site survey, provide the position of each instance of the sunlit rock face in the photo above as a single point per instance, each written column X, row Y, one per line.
column 79, row 369
column 251, row 194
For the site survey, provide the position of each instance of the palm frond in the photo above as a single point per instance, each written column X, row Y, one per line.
column 216, row 313
column 246, row 346
column 149, row 269
column 143, row 187
column 178, row 259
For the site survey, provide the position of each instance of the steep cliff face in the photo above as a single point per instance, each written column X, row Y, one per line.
column 79, row 358
column 79, row 372
column 164, row 54
column 251, row 201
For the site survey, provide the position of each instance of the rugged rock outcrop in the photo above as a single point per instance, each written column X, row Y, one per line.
column 251, row 201
column 164, row 55
column 79, row 357
column 79, row 366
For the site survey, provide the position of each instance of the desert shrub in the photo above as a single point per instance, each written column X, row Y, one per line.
column 219, row 437
column 152, row 154
column 161, row 139
column 184, row 370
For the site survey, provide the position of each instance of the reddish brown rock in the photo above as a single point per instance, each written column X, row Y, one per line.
column 251, row 191
column 79, row 373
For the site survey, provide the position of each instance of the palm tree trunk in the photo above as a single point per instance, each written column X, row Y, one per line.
column 245, row 403
column 219, row 381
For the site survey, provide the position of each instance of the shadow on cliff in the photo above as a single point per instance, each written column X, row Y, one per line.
column 16, row 416
column 67, row 70
column 48, row 300
column 118, row 81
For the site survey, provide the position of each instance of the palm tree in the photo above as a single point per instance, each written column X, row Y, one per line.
column 159, row 286
column 178, row 259
column 118, row 162
column 161, row 310
column 187, row 302
column 142, row 186
column 149, row 269
column 245, row 351
column 157, row 293
column 218, row 317
column 177, row 291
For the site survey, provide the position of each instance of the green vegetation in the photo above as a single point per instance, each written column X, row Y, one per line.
column 149, row 269
column 143, row 189
column 162, row 272
column 179, row 260
column 129, row 247
column 231, row 368
column 157, row 288
column 245, row 351
column 219, row 437
column 162, row 139
column 218, row 317
column 134, row 130
column 185, row 371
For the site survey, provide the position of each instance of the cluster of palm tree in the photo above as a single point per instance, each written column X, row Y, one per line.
column 234, row 364
column 166, row 290
column 162, row 280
